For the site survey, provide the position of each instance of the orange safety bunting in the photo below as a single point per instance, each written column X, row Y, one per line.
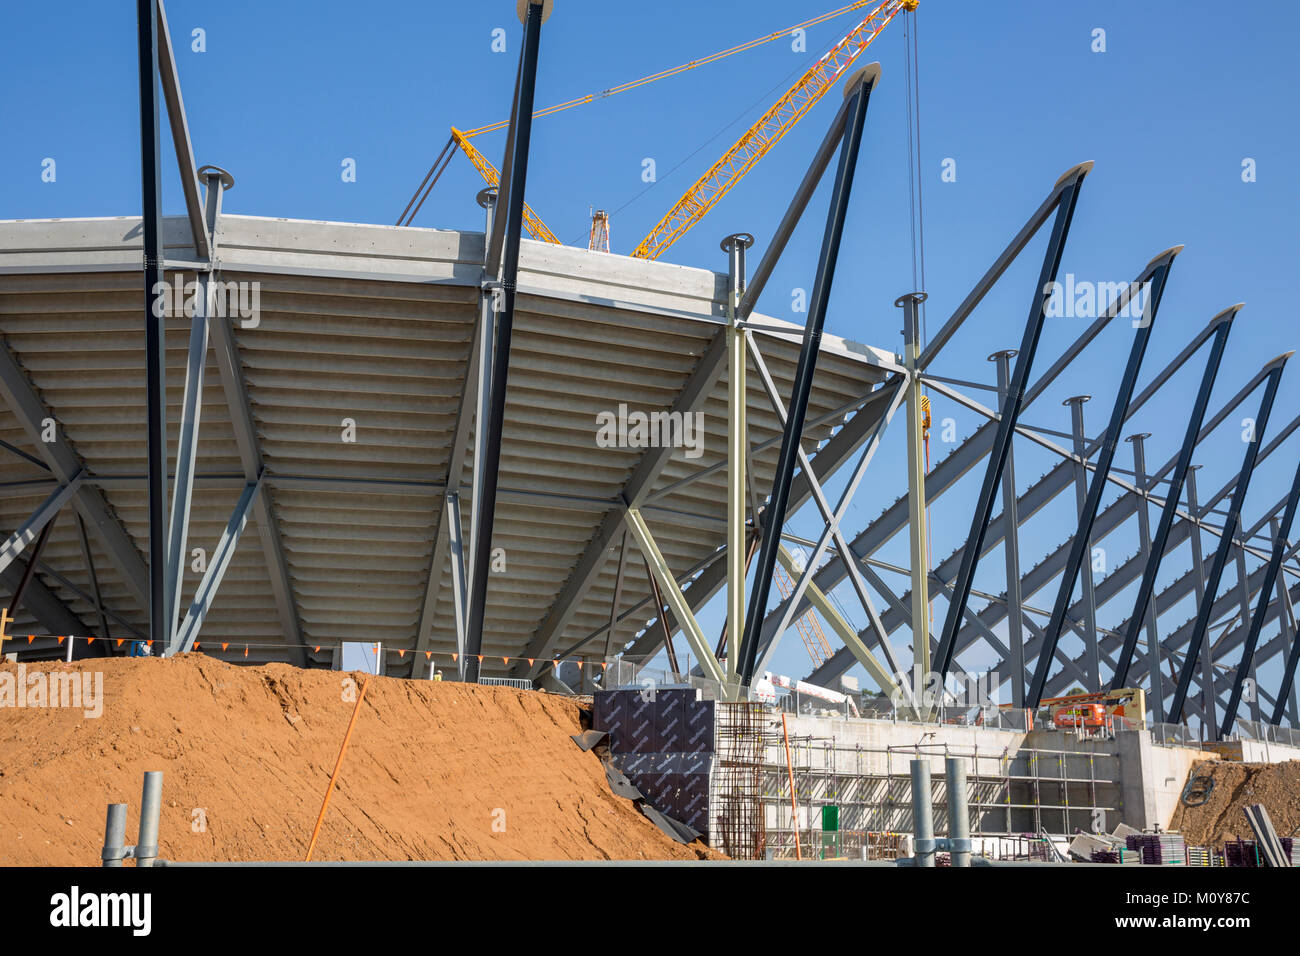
column 30, row 638
column 119, row 642
column 401, row 652
column 317, row 648
column 428, row 654
column 150, row 643
column 225, row 645
column 245, row 650
column 580, row 664
column 454, row 657
column 505, row 660
column 89, row 641
column 530, row 662
column 480, row 658
column 60, row 639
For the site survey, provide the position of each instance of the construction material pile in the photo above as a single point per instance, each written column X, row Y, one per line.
column 434, row 770
column 1237, row 785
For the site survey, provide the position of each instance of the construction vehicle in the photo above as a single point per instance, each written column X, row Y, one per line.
column 1096, row 711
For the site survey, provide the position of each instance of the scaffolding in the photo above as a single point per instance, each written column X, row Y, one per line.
column 1011, row 794
column 737, row 825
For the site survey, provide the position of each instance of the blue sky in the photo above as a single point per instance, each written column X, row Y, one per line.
column 1012, row 92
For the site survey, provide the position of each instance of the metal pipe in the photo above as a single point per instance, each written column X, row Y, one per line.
column 1170, row 511
column 922, row 814
column 774, row 516
column 1261, row 610
column 1230, row 523
column 114, row 850
column 918, row 537
column 1097, row 488
column 958, row 811
column 1010, row 414
column 146, row 847
column 491, row 434
column 155, row 394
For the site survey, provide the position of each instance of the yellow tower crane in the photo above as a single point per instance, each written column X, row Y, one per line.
column 752, row 146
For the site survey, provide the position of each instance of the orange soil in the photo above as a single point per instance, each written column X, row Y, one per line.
column 1236, row 786
column 434, row 771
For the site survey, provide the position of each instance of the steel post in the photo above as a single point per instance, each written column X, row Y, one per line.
column 1208, row 695
column 918, row 537
column 155, row 357
column 958, row 811
column 1091, row 637
column 490, row 434
column 922, row 814
column 114, row 850
column 146, row 847
column 1230, row 523
column 737, row 439
column 1151, row 617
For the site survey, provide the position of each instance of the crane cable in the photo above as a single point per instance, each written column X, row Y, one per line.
column 684, row 67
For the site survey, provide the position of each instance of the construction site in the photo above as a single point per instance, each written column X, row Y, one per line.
column 337, row 541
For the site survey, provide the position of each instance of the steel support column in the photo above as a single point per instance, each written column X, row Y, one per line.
column 737, row 439
column 1088, row 596
column 490, row 435
column 1280, row 532
column 1010, row 414
column 1222, row 325
column 155, row 325
column 858, row 92
column 1230, row 523
column 1149, row 618
column 1011, row 544
column 918, row 535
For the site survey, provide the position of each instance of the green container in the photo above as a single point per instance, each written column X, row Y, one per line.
column 830, row 819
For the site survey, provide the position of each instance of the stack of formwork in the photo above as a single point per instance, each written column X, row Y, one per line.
column 1159, row 849
column 662, row 739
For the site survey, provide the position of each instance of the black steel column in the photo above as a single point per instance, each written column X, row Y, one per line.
column 1100, row 476
column 155, row 359
column 1261, row 609
column 1230, row 523
column 774, row 513
column 1170, row 511
column 491, row 432
column 1010, row 414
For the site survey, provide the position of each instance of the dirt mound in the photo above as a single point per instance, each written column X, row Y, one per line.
column 1236, row 786
column 434, row 771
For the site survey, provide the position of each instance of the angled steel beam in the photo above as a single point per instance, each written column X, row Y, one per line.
column 250, row 457
column 1009, row 255
column 206, row 592
column 1010, row 413
column 33, row 527
column 794, row 212
column 618, row 595
column 858, row 92
column 1158, row 271
column 490, row 433
column 1225, row 543
column 459, row 587
column 1286, row 616
column 1011, row 549
column 1156, row 548
column 676, row 600
column 171, row 87
column 1093, row 681
column 42, row 602
column 17, row 599
column 1261, row 609
column 89, row 558
column 187, row 451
